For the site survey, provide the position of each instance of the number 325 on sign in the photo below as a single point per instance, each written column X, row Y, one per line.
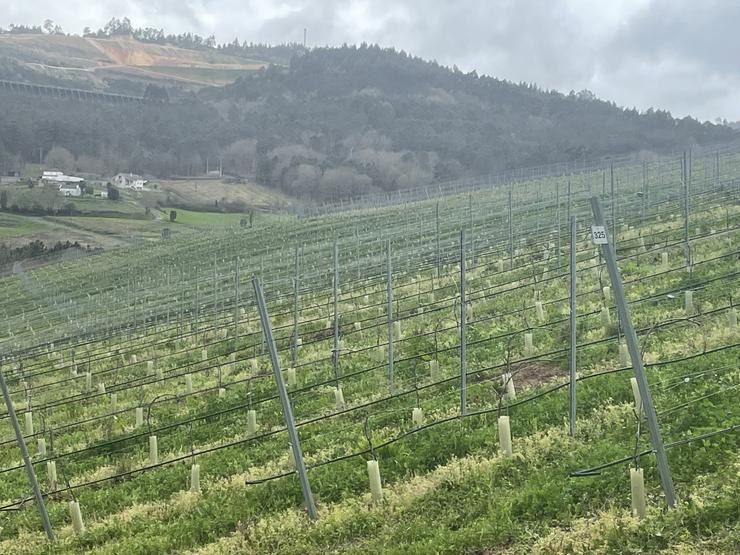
column 598, row 234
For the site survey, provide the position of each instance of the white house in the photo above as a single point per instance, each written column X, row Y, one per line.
column 129, row 181
column 70, row 190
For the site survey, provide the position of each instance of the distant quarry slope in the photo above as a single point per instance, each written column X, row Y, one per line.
column 94, row 63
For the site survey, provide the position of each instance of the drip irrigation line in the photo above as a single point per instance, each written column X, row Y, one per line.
column 311, row 387
column 596, row 470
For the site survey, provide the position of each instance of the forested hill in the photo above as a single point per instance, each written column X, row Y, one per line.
column 398, row 119
column 341, row 121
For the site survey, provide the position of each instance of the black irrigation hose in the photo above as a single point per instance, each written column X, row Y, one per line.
column 596, row 470
column 310, row 387
column 418, row 335
column 381, row 445
column 359, row 408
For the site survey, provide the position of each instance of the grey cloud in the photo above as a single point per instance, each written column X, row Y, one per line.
column 672, row 54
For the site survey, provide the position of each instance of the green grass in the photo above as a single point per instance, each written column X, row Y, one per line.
column 221, row 219
column 13, row 225
column 190, row 217
column 448, row 490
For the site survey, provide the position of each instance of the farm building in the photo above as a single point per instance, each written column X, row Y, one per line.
column 129, row 181
column 59, row 177
column 10, row 177
column 70, row 190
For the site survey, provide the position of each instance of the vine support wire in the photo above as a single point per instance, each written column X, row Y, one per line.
column 389, row 295
column 635, row 355
column 295, row 442
column 463, row 370
column 572, row 316
column 26, row 459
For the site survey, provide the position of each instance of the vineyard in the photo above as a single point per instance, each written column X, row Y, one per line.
column 437, row 392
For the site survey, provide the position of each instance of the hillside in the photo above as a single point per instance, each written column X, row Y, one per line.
column 41, row 214
column 119, row 63
column 336, row 122
column 434, row 342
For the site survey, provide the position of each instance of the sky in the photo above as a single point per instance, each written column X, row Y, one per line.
column 676, row 55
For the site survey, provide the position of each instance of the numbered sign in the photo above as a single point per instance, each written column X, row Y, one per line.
column 598, row 234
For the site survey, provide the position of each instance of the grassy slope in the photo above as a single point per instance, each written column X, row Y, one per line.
column 106, row 223
column 205, row 193
column 448, row 490
column 482, row 503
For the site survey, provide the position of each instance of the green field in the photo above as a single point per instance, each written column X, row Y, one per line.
column 222, row 219
column 106, row 223
column 12, row 225
column 145, row 373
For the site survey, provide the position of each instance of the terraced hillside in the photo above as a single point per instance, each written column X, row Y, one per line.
column 146, row 394
column 95, row 63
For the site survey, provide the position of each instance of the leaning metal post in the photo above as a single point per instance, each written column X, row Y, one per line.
column 26, row 459
column 634, row 349
column 295, row 442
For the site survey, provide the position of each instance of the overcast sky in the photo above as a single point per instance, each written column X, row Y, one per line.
column 679, row 55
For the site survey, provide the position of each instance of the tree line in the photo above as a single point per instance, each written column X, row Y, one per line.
column 343, row 121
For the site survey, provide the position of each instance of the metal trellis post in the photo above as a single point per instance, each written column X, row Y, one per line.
column 335, row 281
column 26, row 459
column 557, row 224
column 511, row 235
column 295, row 441
column 634, row 349
column 686, row 210
column 463, row 370
column 572, row 317
column 389, row 295
column 439, row 263
column 294, row 353
column 236, row 307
